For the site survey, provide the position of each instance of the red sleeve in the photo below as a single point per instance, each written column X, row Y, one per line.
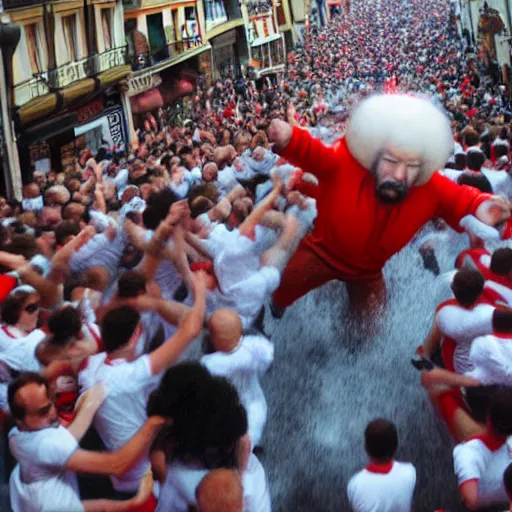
column 310, row 154
column 455, row 201
column 308, row 189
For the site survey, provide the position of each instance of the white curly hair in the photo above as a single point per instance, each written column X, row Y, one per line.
column 408, row 124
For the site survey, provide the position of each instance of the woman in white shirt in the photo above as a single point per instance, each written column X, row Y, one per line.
column 208, row 431
column 20, row 315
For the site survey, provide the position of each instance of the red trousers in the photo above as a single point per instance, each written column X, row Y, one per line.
column 307, row 271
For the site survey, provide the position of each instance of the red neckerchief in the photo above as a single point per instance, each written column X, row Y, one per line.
column 491, row 276
column 492, row 442
column 4, row 328
column 381, row 469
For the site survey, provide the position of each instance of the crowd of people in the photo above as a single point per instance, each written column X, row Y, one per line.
column 113, row 267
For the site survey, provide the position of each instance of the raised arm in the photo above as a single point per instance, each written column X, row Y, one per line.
column 301, row 149
column 168, row 353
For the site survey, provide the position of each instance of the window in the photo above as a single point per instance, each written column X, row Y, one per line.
column 70, row 37
column 36, row 46
column 107, row 26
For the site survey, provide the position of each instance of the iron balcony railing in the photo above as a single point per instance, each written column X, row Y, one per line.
column 110, row 59
column 47, row 81
column 168, row 52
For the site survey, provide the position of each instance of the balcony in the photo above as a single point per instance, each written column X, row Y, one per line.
column 109, row 59
column 29, row 89
column 17, row 4
column 169, row 52
column 72, row 72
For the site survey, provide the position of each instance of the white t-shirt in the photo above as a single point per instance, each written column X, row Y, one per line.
column 243, row 284
column 491, row 358
column 486, row 461
column 463, row 326
column 370, row 491
column 243, row 368
column 40, row 482
column 123, row 412
column 19, row 355
column 226, row 180
column 256, row 491
column 179, row 489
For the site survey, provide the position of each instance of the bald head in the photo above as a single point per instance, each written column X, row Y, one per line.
column 226, row 329
column 220, row 491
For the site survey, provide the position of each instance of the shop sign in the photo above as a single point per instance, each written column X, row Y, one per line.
column 91, row 110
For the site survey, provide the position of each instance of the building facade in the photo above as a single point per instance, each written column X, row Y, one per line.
column 69, row 60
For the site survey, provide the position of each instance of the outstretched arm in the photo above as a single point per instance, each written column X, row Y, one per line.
column 301, row 149
column 118, row 462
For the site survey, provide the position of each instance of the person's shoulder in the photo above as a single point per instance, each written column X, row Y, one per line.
column 356, row 480
column 405, row 469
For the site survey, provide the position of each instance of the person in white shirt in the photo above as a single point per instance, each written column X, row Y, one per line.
column 220, row 491
column 385, row 485
column 242, row 359
column 458, row 321
column 481, row 460
column 48, row 454
column 130, row 379
column 209, row 431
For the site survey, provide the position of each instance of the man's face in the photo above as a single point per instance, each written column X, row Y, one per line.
column 396, row 172
column 40, row 410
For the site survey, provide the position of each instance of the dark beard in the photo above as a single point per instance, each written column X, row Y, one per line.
column 398, row 192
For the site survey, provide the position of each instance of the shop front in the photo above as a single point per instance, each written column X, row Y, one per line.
column 229, row 53
column 54, row 144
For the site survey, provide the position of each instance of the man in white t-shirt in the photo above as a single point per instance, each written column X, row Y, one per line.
column 458, row 321
column 48, row 454
column 242, row 360
column 481, row 460
column 385, row 485
column 130, row 379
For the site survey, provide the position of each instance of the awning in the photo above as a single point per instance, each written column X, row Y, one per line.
column 265, row 40
column 77, row 90
column 111, row 76
column 49, row 129
column 37, row 108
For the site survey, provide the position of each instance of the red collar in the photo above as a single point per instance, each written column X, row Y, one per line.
column 492, row 442
column 6, row 330
column 381, row 469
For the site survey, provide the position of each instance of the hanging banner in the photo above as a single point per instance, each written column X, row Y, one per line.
column 116, row 125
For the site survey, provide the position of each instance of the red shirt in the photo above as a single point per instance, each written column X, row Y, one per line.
column 357, row 233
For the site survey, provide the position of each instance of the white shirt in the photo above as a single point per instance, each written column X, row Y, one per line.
column 383, row 492
column 491, row 358
column 179, row 489
column 243, row 284
column 123, row 412
column 19, row 355
column 226, row 180
column 243, row 367
column 463, row 326
column 40, row 482
column 478, row 459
